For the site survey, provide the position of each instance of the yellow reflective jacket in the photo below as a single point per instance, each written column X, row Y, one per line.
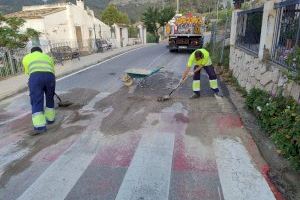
column 206, row 61
column 38, row 62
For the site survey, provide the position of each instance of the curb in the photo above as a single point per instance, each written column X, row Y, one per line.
column 24, row 88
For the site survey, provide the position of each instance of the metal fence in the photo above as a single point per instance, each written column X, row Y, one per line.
column 11, row 60
column 286, row 42
column 217, row 42
column 249, row 26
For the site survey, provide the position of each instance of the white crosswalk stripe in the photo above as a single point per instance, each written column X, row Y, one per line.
column 238, row 176
column 61, row 176
column 148, row 176
column 57, row 181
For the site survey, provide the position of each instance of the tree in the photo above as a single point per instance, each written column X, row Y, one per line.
column 165, row 15
column 154, row 19
column 150, row 19
column 11, row 35
column 112, row 15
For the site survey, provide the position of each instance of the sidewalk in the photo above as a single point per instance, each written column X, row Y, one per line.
column 16, row 84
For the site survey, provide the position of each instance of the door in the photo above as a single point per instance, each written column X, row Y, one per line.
column 79, row 37
column 121, row 37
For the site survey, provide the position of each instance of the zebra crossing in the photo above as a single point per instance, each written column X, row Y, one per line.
column 157, row 163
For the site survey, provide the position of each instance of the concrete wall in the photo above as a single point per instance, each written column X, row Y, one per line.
column 142, row 34
column 36, row 24
column 124, row 38
column 258, row 71
column 105, row 29
column 56, row 27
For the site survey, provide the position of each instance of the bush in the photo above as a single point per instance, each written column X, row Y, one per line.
column 151, row 38
column 215, row 53
column 280, row 118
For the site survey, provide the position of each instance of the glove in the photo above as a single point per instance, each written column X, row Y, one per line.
column 181, row 81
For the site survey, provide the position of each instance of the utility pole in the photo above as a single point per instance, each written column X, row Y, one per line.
column 218, row 10
column 177, row 11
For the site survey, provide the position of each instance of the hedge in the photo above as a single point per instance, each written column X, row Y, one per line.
column 279, row 117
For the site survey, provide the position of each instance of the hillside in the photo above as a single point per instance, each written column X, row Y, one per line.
column 134, row 8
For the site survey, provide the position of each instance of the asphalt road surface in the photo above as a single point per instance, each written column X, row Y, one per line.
column 119, row 143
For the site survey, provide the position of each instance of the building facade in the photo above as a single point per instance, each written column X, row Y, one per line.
column 69, row 23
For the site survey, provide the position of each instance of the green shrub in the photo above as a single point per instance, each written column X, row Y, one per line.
column 216, row 51
column 151, row 38
column 279, row 117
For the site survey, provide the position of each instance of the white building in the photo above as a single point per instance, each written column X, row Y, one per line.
column 142, row 33
column 64, row 22
column 121, row 34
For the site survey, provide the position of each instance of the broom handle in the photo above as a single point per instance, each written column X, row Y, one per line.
column 179, row 84
column 57, row 97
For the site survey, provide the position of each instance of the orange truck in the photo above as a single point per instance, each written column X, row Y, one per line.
column 185, row 32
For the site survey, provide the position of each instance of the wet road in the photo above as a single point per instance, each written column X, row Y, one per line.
column 120, row 143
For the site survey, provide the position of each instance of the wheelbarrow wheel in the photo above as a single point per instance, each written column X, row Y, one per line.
column 127, row 80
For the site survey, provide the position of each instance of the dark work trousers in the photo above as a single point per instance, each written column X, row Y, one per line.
column 213, row 82
column 41, row 84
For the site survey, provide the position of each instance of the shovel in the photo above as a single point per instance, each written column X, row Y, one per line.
column 167, row 97
column 62, row 103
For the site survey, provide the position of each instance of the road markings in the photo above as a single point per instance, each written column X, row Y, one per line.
column 92, row 66
column 58, row 180
column 148, row 176
column 64, row 77
column 238, row 177
column 220, row 102
column 157, row 58
column 219, row 192
column 61, row 176
column 15, row 118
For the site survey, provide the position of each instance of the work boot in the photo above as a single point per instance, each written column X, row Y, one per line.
column 50, row 122
column 219, row 94
column 38, row 131
column 195, row 96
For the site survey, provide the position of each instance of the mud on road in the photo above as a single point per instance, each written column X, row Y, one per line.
column 127, row 110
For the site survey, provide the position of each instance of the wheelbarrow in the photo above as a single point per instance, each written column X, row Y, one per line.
column 138, row 73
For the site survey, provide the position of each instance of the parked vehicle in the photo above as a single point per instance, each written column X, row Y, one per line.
column 185, row 32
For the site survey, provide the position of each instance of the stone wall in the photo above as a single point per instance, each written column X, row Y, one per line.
column 257, row 71
column 251, row 72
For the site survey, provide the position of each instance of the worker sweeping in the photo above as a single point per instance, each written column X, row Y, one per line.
column 40, row 68
column 201, row 59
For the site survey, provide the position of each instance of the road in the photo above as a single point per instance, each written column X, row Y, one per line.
column 119, row 143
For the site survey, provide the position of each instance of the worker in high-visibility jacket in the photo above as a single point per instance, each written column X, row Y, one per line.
column 201, row 59
column 40, row 68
